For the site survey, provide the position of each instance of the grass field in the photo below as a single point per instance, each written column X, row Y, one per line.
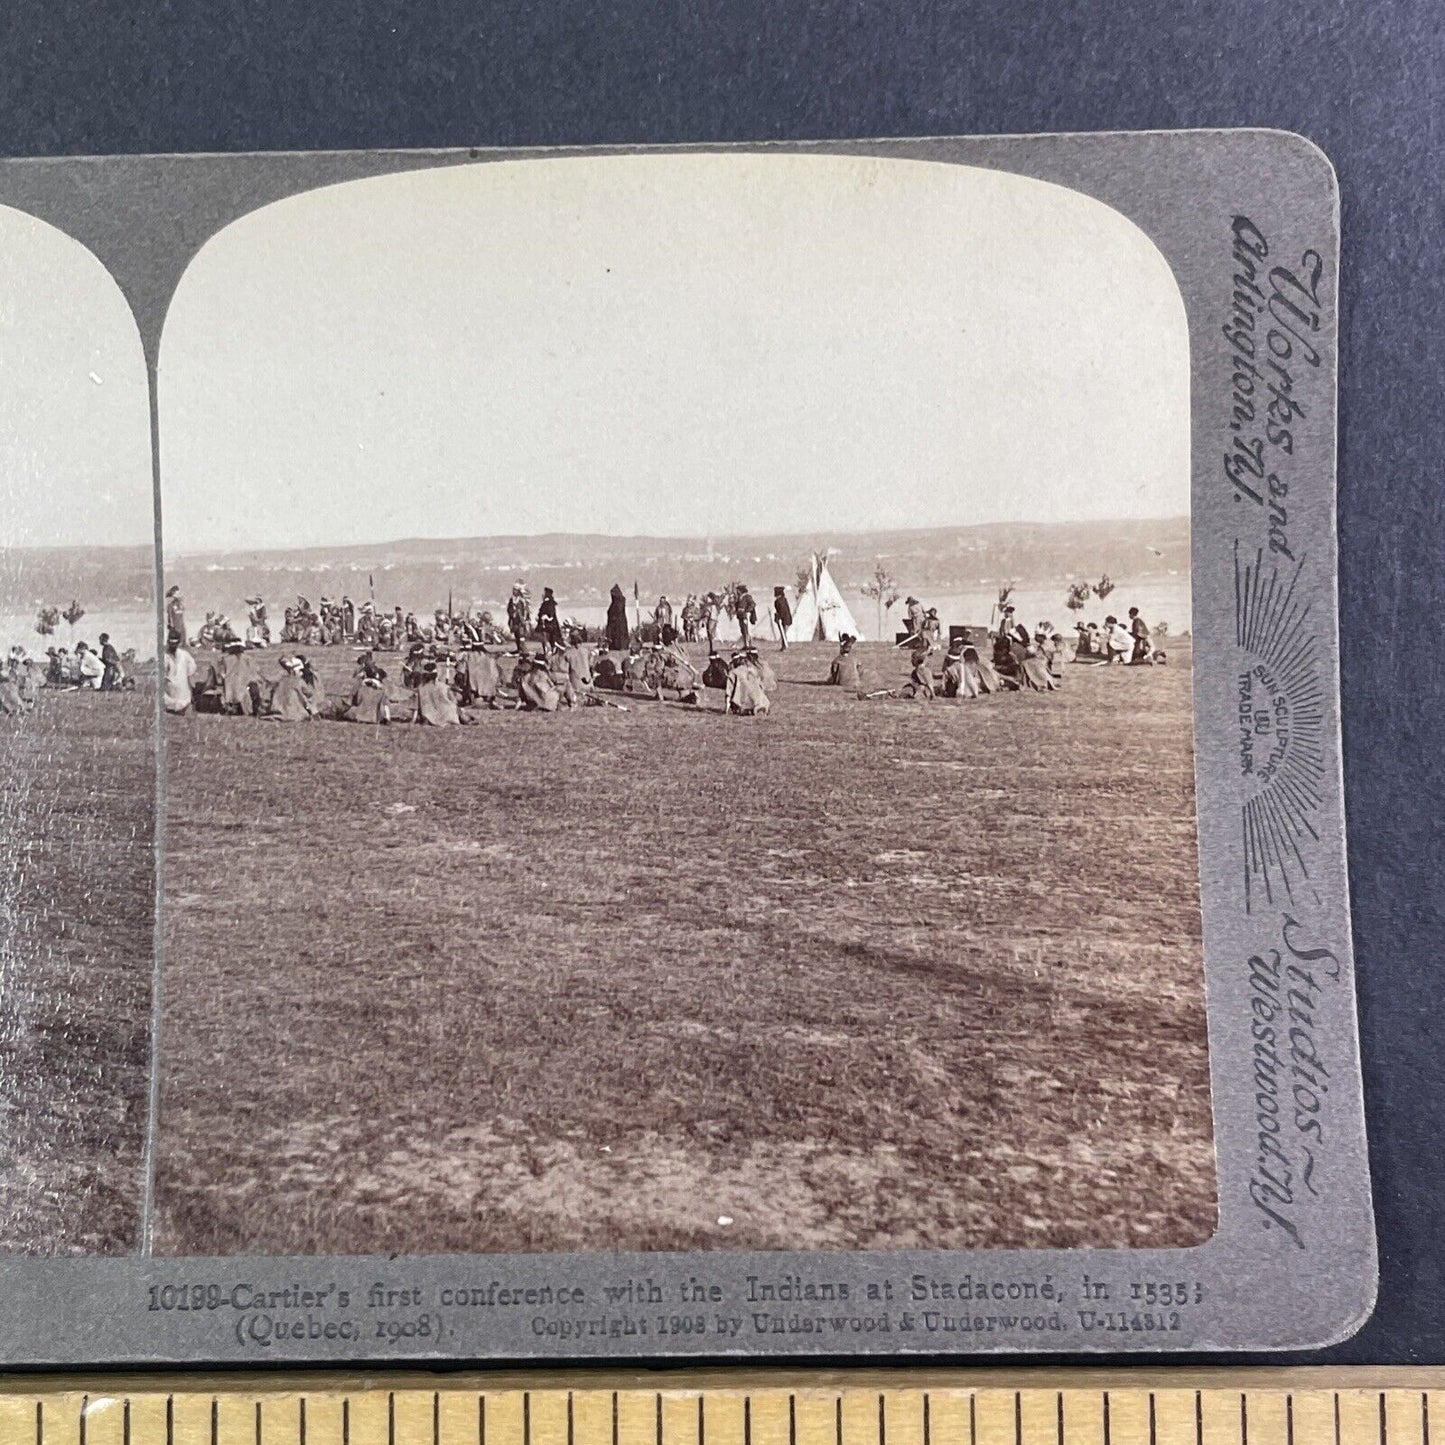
column 858, row 974
column 77, row 922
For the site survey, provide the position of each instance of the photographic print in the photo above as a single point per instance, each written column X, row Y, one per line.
column 78, row 741
column 701, row 645
column 689, row 752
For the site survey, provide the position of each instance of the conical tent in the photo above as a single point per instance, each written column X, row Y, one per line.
column 820, row 613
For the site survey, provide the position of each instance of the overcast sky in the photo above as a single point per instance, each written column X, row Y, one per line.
column 75, row 462
column 670, row 345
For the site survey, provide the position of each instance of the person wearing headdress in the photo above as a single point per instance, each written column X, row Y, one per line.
column 258, row 629
column 920, row 679
column 519, row 614
column 369, row 702
column 290, row 698
column 913, row 617
column 746, row 614
column 479, row 676
column 711, row 607
column 176, row 612
column 316, row 689
column 634, row 667
column 617, row 628
column 578, row 686
column 782, row 616
column 680, row 680
column 846, row 670
column 547, row 621
column 715, row 674
column 1034, row 672
column 653, row 663
column 110, row 665
column 12, row 703
column 932, row 629
column 435, row 705
column 691, row 615
column 953, row 673
column 536, row 692
column 746, row 695
column 240, row 682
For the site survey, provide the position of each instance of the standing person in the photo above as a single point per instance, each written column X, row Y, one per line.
column 176, row 613
column 782, row 615
column 746, row 615
column 663, row 615
column 913, row 617
column 110, row 665
column 1139, row 631
column 547, row 623
column 711, row 611
column 519, row 614
column 932, row 629
column 690, row 614
column 180, row 673
column 617, row 628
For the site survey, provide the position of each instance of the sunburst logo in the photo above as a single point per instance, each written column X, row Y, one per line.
column 1281, row 729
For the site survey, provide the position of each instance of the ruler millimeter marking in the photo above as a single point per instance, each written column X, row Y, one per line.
column 719, row 1414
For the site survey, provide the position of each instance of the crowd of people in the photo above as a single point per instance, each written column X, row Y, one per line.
column 440, row 686
column 455, row 668
column 702, row 617
column 98, row 669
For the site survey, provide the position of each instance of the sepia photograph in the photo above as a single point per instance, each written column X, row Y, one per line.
column 678, row 718
column 78, row 750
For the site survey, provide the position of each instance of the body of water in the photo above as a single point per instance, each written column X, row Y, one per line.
column 1157, row 601
column 129, row 628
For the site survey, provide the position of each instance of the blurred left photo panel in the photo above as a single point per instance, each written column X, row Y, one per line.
column 78, row 759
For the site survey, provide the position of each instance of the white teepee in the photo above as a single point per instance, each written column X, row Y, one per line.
column 820, row 614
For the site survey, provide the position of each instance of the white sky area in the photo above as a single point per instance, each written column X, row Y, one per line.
column 671, row 345
column 75, row 460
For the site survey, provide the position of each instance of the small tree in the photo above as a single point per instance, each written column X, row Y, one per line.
column 882, row 589
column 47, row 620
column 1103, row 587
column 1078, row 597
column 1161, row 629
column 73, row 614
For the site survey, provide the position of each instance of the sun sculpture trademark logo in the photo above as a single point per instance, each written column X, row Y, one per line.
column 1281, row 753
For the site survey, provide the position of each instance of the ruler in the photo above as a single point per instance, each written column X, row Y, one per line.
column 887, row 1407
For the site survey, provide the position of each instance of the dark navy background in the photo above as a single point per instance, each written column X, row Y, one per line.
column 1364, row 79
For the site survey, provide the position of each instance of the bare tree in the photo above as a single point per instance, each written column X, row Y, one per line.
column 1078, row 597
column 1103, row 587
column 73, row 614
column 884, row 590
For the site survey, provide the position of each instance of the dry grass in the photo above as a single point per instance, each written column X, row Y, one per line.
column 859, row 974
column 77, row 920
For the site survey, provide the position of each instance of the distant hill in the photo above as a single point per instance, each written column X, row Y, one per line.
column 101, row 579
column 419, row 573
